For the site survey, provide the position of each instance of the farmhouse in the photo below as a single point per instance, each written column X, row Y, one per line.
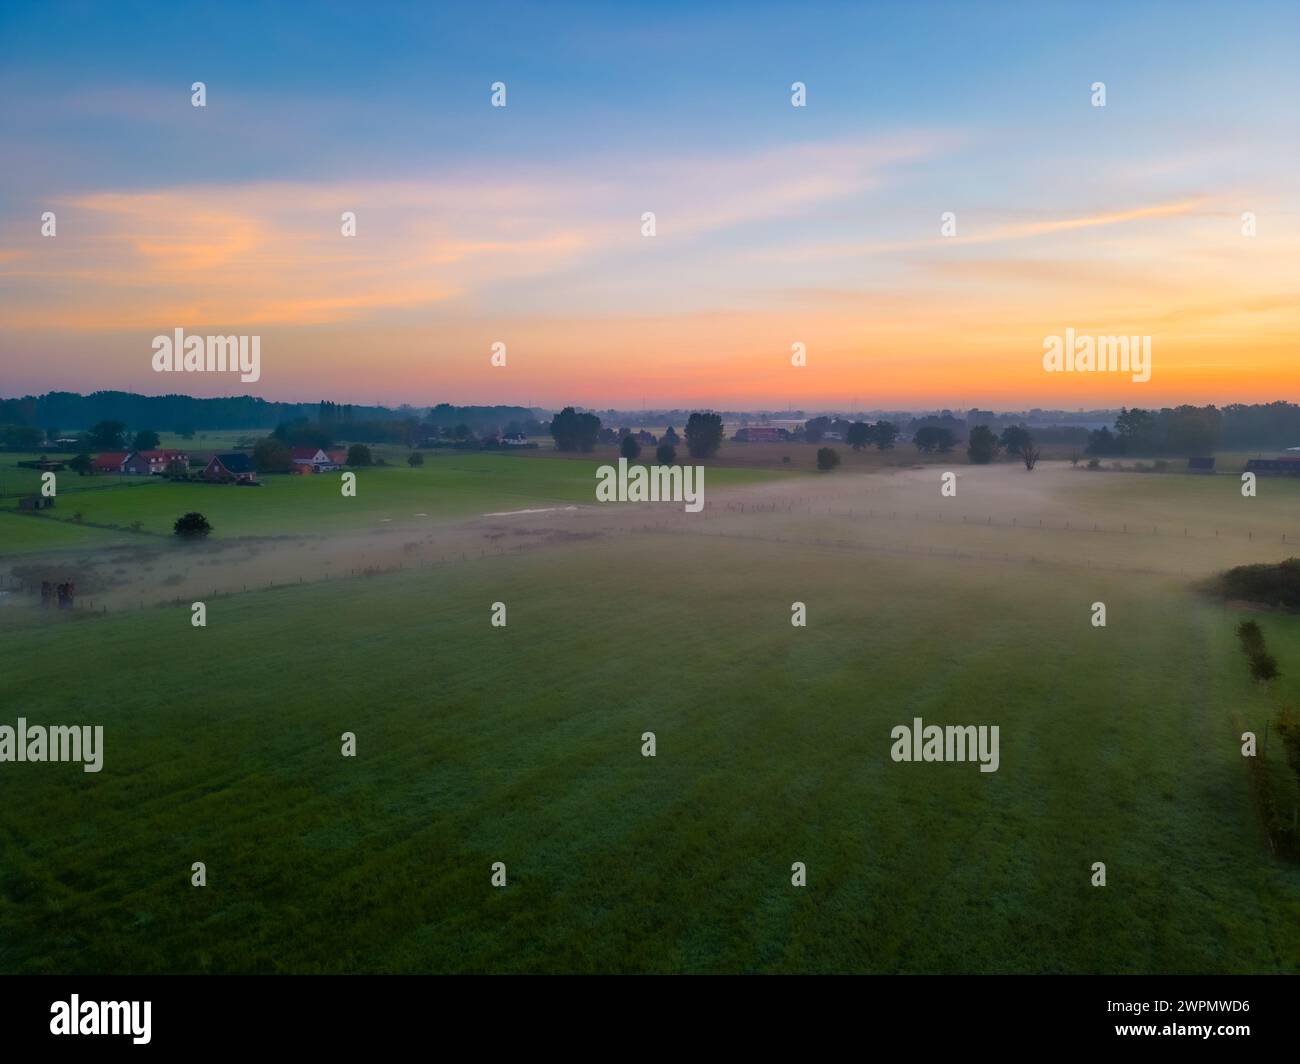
column 235, row 466
column 153, row 463
column 317, row 460
column 109, row 462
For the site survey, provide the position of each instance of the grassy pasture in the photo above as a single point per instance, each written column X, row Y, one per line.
column 449, row 485
column 478, row 744
column 522, row 745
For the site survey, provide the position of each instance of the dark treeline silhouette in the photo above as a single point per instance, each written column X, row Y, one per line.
column 1200, row 430
column 25, row 422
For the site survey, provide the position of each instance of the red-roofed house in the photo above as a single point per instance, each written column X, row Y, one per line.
column 109, row 461
column 148, row 463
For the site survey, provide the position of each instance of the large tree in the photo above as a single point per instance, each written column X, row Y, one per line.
column 859, row 435
column 271, row 455
column 982, row 445
column 145, row 440
column 1014, row 438
column 573, row 431
column 933, row 438
column 884, row 433
column 703, row 434
column 107, row 436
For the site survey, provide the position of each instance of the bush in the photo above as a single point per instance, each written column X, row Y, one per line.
column 1268, row 584
column 359, row 455
column 629, row 448
column 1094, row 463
column 1263, row 667
column 192, row 526
column 827, row 458
column 415, row 459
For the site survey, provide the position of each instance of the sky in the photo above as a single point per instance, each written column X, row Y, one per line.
column 774, row 225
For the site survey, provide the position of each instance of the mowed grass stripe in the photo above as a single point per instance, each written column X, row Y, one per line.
column 522, row 745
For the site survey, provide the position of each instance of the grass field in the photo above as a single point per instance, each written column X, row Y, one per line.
column 522, row 744
column 450, row 484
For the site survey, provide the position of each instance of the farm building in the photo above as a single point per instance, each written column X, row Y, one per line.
column 153, row 463
column 1289, row 466
column 1200, row 465
column 762, row 433
column 514, row 439
column 235, row 466
column 109, row 462
column 317, row 459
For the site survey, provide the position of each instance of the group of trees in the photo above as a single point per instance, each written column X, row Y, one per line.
column 883, row 434
column 573, row 431
column 1182, row 430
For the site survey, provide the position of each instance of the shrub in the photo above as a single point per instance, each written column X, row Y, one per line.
column 359, row 455
column 1269, row 584
column 827, row 458
column 1263, row 667
column 629, row 448
column 415, row 459
column 192, row 526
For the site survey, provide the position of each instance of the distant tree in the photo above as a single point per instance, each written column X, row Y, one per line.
column 359, row 455
column 703, row 434
column 629, row 448
column 107, row 436
column 1102, row 441
column 884, row 433
column 52, row 433
column 415, row 459
column 815, row 428
column 827, row 458
column 462, row 432
column 192, row 526
column 145, row 440
column 859, row 435
column 982, row 445
column 573, row 431
column 607, row 436
column 271, row 455
column 933, row 438
column 670, row 436
column 82, row 463
column 666, row 454
column 1029, row 454
column 303, row 433
column 1014, row 438
column 185, row 431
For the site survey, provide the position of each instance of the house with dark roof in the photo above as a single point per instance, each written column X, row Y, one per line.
column 233, row 467
column 1285, row 466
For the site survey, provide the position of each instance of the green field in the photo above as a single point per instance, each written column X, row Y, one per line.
column 522, row 744
column 450, row 484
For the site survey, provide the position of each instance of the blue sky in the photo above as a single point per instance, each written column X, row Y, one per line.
column 683, row 108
